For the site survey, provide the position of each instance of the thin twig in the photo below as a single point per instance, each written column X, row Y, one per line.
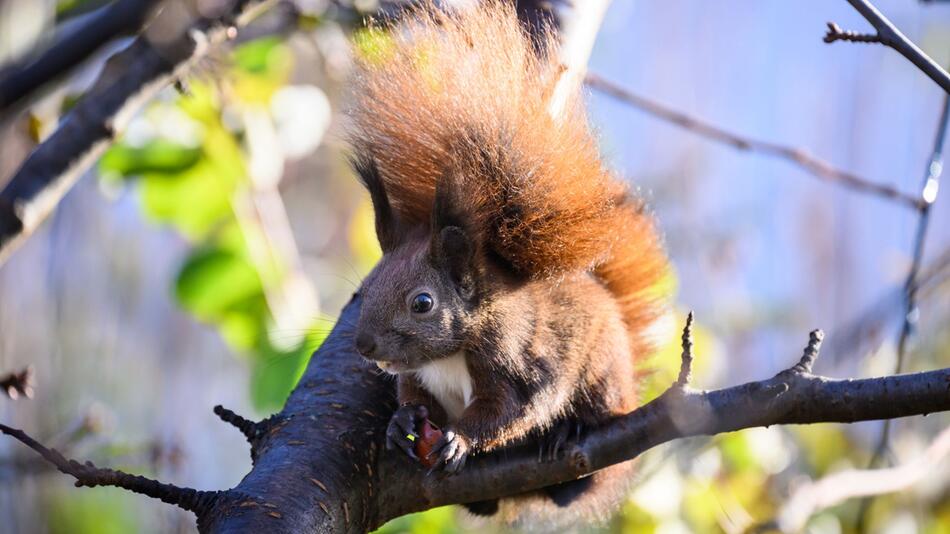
column 888, row 35
column 686, row 362
column 807, row 362
column 250, row 429
column 835, row 33
column 89, row 475
column 815, row 166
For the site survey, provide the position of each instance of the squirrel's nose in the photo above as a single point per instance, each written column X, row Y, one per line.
column 365, row 344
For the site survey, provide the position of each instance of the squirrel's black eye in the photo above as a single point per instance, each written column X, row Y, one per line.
column 421, row 303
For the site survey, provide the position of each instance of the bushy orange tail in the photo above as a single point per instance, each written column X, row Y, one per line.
column 467, row 93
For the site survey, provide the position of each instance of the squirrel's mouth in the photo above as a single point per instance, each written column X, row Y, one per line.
column 392, row 367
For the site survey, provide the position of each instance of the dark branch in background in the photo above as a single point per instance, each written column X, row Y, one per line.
column 171, row 44
column 78, row 41
column 887, row 34
column 815, row 166
column 321, row 468
column 863, row 333
column 91, row 476
column 18, row 383
column 928, row 194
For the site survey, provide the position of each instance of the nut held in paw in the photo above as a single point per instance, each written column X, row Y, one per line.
column 429, row 435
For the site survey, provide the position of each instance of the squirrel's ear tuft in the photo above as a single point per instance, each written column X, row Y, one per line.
column 447, row 208
column 454, row 251
column 387, row 226
column 453, row 245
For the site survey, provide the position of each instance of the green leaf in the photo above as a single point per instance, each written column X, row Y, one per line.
column 736, row 452
column 158, row 156
column 196, row 201
column 277, row 372
column 216, row 281
column 104, row 511
column 435, row 521
column 259, row 55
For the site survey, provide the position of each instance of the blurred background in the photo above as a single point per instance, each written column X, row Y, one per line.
column 207, row 253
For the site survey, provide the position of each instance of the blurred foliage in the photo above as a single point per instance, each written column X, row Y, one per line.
column 191, row 174
column 188, row 162
column 107, row 511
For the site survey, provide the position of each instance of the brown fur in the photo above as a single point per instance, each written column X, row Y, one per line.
column 468, row 88
column 554, row 258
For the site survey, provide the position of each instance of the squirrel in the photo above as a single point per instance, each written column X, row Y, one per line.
column 517, row 283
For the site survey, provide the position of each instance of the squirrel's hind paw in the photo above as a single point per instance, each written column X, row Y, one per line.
column 562, row 435
column 452, row 452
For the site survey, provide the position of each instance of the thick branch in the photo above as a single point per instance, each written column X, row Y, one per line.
column 888, row 35
column 793, row 396
column 130, row 78
column 815, row 166
column 339, row 411
column 79, row 40
column 321, row 467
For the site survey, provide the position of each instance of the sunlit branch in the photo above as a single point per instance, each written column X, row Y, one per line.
column 888, row 35
column 77, row 41
column 172, row 43
column 813, row 165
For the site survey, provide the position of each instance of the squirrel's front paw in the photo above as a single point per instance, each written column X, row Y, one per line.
column 401, row 431
column 451, row 452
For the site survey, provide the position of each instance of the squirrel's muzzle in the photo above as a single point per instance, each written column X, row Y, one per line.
column 365, row 344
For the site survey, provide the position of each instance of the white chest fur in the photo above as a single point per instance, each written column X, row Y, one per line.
column 449, row 381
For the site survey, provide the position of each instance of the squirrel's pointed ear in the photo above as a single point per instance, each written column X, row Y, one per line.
column 453, row 245
column 387, row 226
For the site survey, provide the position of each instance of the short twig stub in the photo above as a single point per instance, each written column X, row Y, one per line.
column 250, row 429
column 835, row 33
column 805, row 364
column 686, row 366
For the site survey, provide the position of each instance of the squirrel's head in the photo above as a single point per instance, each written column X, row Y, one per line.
column 420, row 301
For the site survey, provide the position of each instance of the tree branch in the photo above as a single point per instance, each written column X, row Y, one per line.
column 815, row 166
column 888, row 35
column 319, row 468
column 91, row 476
column 794, row 396
column 172, row 44
column 79, row 40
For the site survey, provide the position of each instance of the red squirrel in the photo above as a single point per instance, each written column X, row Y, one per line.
column 516, row 285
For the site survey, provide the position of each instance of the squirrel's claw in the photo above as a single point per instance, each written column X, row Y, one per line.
column 401, row 431
column 452, row 450
column 557, row 440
